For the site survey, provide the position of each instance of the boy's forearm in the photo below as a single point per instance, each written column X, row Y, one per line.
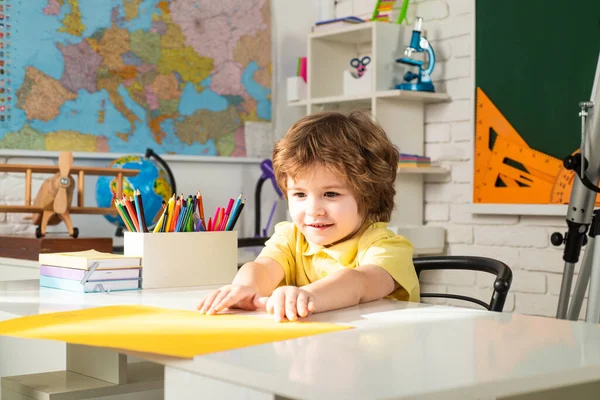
column 344, row 288
column 255, row 275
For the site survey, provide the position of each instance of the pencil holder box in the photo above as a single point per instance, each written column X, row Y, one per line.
column 179, row 259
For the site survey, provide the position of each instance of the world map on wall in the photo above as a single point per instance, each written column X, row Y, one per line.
column 178, row 76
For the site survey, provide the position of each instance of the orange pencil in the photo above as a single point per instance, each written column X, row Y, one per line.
column 200, row 208
column 175, row 214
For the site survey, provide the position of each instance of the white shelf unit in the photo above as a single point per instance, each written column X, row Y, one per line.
column 401, row 113
column 422, row 170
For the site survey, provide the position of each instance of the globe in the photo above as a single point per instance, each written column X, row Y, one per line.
column 152, row 182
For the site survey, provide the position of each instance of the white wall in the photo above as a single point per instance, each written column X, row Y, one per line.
column 217, row 180
column 522, row 242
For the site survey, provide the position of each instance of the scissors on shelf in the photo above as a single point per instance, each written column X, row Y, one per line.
column 360, row 64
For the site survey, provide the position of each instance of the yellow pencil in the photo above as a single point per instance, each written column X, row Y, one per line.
column 159, row 223
column 170, row 206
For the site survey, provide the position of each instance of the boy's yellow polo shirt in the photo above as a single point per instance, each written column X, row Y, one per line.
column 304, row 262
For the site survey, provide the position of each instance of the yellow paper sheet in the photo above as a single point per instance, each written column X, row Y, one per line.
column 177, row 333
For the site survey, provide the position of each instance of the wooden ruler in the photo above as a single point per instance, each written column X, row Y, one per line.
column 507, row 170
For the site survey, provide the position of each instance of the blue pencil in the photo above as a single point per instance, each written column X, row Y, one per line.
column 182, row 212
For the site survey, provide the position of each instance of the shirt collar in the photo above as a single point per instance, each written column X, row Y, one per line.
column 342, row 252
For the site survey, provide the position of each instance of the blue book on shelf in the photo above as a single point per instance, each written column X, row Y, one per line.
column 350, row 19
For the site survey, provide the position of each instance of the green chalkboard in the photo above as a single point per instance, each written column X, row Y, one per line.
column 535, row 60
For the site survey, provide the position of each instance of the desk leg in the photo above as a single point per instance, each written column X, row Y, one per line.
column 182, row 385
column 97, row 362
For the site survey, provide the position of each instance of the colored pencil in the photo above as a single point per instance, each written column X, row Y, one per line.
column 159, row 224
column 123, row 216
column 236, row 205
column 237, row 214
column 170, row 207
column 131, row 212
column 176, row 211
column 140, row 210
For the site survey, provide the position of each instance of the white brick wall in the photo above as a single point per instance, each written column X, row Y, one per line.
column 521, row 242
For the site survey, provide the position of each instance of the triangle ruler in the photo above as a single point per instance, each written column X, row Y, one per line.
column 507, row 170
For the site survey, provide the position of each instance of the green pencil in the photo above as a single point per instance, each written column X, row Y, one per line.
column 127, row 219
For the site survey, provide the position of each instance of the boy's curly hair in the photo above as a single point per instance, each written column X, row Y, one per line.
column 353, row 146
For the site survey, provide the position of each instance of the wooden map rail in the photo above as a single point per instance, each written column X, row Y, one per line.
column 81, row 172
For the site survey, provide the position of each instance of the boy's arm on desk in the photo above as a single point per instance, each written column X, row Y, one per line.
column 349, row 287
column 254, row 280
column 264, row 274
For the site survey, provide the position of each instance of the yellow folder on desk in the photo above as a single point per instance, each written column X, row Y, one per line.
column 176, row 333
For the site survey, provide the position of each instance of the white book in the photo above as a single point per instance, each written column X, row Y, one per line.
column 85, row 259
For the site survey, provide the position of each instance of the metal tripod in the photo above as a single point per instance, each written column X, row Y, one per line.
column 581, row 216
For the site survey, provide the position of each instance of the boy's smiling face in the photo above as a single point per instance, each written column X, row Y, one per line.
column 322, row 206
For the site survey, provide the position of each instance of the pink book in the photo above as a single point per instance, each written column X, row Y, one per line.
column 97, row 275
column 303, row 68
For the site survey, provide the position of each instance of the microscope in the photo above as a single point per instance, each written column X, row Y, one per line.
column 418, row 44
column 581, row 216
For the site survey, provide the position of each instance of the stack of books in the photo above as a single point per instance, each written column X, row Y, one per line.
column 413, row 161
column 90, row 271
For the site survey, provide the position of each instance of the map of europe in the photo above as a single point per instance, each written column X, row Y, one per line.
column 178, row 76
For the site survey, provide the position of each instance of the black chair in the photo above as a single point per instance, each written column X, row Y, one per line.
column 502, row 272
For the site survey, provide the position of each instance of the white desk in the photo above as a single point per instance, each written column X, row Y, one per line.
column 398, row 350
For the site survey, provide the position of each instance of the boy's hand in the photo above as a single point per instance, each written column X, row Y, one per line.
column 230, row 296
column 289, row 302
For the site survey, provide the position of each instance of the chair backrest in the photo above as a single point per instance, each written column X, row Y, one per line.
column 501, row 284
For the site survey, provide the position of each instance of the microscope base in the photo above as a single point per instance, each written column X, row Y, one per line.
column 420, row 87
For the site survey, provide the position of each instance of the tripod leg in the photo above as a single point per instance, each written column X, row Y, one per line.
column 574, row 240
column 593, row 304
column 582, row 282
column 565, row 290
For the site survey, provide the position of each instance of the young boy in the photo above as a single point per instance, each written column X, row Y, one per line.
column 338, row 174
